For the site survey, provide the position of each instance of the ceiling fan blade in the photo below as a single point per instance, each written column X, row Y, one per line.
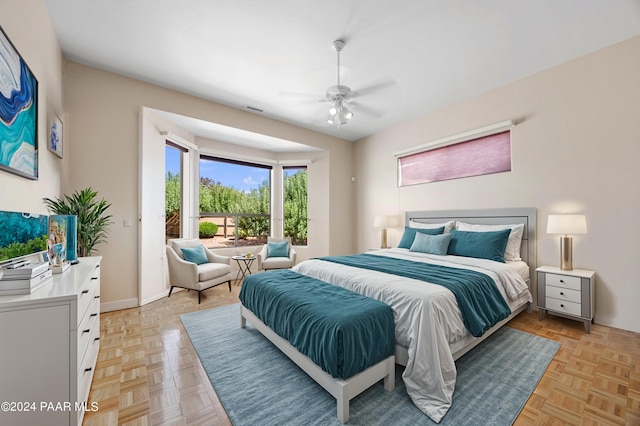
column 386, row 86
column 358, row 108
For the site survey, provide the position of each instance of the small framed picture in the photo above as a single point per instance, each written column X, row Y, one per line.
column 55, row 136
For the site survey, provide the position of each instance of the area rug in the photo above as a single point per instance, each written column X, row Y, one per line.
column 259, row 385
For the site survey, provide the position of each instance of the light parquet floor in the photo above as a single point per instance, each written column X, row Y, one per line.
column 149, row 374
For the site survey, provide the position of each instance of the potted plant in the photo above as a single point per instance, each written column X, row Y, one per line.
column 92, row 218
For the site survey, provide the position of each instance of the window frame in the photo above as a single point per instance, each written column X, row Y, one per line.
column 463, row 153
column 236, row 216
column 295, row 167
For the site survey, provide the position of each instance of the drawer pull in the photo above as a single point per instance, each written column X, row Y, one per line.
column 86, row 370
column 561, row 305
column 94, row 278
column 96, row 339
column 86, row 331
column 561, row 293
column 561, row 281
column 85, row 291
column 95, row 315
column 97, row 297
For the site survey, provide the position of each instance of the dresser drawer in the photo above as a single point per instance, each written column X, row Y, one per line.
column 557, row 305
column 89, row 322
column 87, row 293
column 564, row 294
column 565, row 281
column 87, row 366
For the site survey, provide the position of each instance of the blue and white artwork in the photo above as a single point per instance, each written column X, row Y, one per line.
column 18, row 113
column 55, row 137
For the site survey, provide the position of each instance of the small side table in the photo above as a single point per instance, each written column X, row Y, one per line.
column 244, row 265
column 569, row 294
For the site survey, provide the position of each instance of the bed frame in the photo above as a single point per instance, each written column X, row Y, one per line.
column 343, row 390
column 507, row 216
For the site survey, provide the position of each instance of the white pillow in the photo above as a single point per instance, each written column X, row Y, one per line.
column 512, row 252
column 447, row 225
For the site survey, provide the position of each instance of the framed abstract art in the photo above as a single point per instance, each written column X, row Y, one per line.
column 55, row 136
column 18, row 113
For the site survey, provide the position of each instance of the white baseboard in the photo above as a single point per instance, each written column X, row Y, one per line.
column 156, row 297
column 119, row 304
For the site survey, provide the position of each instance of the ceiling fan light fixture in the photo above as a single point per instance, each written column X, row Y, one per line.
column 339, row 114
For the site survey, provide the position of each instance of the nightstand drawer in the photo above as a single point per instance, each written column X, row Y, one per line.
column 564, row 294
column 563, row 281
column 564, row 306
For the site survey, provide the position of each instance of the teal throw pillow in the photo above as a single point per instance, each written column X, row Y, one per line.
column 195, row 255
column 482, row 245
column 431, row 244
column 278, row 249
column 410, row 234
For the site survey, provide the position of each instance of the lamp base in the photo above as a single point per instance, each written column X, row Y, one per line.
column 566, row 253
column 383, row 240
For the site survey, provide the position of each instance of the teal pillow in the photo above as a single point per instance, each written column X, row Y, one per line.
column 278, row 249
column 431, row 244
column 195, row 255
column 410, row 234
column 483, row 245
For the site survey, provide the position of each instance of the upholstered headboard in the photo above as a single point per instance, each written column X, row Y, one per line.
column 506, row 216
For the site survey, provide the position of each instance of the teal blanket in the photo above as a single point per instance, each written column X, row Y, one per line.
column 479, row 299
column 341, row 331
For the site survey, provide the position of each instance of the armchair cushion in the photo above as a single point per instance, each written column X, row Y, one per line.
column 195, row 255
column 210, row 271
column 278, row 249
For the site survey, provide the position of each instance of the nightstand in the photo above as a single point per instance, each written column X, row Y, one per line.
column 567, row 293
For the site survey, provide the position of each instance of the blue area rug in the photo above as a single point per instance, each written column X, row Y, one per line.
column 259, row 385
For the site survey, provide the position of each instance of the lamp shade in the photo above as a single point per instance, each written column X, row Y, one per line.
column 568, row 224
column 380, row 222
column 392, row 221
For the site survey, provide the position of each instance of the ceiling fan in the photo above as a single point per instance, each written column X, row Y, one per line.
column 341, row 96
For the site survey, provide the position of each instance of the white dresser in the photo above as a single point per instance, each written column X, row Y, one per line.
column 49, row 344
column 567, row 293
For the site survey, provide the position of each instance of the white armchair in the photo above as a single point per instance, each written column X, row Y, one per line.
column 265, row 261
column 192, row 276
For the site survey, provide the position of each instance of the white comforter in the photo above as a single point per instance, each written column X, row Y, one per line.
column 427, row 317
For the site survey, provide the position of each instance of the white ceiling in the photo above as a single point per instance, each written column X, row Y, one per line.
column 419, row 55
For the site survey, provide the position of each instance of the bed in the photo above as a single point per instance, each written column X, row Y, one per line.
column 429, row 330
column 341, row 339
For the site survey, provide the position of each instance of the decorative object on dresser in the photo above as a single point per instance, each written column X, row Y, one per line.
column 24, row 280
column 383, row 223
column 50, row 347
column 22, row 235
column 63, row 229
column 567, row 293
column 92, row 222
column 566, row 224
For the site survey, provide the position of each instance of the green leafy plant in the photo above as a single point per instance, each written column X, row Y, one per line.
column 92, row 218
column 207, row 229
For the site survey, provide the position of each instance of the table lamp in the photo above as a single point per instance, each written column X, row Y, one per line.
column 384, row 222
column 566, row 224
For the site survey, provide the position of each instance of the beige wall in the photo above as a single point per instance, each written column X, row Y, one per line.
column 103, row 111
column 575, row 149
column 27, row 25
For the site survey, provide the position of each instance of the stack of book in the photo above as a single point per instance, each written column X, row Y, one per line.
column 24, row 279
